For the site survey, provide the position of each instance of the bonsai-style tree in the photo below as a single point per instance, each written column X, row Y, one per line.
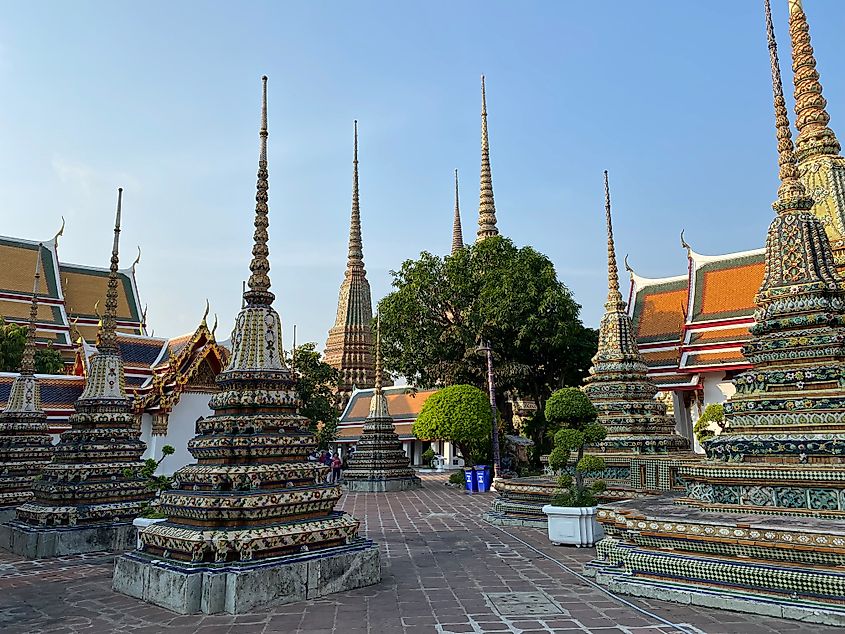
column 153, row 482
column 460, row 413
column 703, row 429
column 573, row 411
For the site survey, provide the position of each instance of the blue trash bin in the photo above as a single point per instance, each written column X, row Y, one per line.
column 471, row 480
column 482, row 474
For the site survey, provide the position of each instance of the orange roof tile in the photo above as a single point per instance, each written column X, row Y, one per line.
column 719, row 335
column 353, row 432
column 18, row 270
column 403, row 403
column 720, row 357
column 86, row 287
column 658, row 311
column 661, row 358
column 725, row 286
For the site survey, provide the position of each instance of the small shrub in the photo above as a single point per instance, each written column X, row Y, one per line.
column 456, row 477
column 713, row 413
column 428, row 456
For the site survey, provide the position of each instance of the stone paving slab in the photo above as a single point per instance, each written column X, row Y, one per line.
column 443, row 567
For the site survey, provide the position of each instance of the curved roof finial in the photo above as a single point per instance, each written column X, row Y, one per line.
column 214, row 327
column 59, row 233
column 684, row 244
column 137, row 259
column 628, row 266
column 486, row 204
column 259, row 281
column 205, row 313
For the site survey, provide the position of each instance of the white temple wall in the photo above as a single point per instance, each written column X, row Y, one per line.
column 181, row 427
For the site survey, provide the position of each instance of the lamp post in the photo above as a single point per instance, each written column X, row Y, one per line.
column 497, row 461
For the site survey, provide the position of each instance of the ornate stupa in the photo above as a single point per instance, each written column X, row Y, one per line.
column 379, row 463
column 486, row 204
column 349, row 347
column 636, row 422
column 642, row 451
column 820, row 165
column 87, row 497
column 761, row 527
column 457, row 232
column 25, row 444
column 253, row 521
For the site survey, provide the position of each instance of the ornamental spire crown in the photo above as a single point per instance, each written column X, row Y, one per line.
column 259, row 280
column 107, row 335
column 486, row 204
column 457, row 232
column 356, row 244
column 815, row 138
column 791, row 194
column 378, row 402
column 614, row 297
column 28, row 359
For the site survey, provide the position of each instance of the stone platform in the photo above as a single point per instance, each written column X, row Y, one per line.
column 7, row 514
column 777, row 565
column 39, row 542
column 383, row 485
column 238, row 589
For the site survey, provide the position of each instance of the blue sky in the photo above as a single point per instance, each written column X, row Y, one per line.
column 162, row 98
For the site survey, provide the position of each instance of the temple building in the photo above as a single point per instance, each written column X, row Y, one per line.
column 759, row 527
column 69, row 295
column 379, row 463
column 349, row 347
column 88, row 495
column 252, row 522
column 25, row 443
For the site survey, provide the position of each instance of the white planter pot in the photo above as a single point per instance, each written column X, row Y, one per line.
column 575, row 526
column 140, row 523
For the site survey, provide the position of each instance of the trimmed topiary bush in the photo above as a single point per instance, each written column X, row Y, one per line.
column 703, row 430
column 571, row 408
column 461, row 414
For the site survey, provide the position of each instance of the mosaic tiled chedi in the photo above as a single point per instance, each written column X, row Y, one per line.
column 86, row 498
column 25, row 444
column 253, row 521
column 379, row 463
column 765, row 511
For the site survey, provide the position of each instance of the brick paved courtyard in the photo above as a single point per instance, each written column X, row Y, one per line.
column 442, row 566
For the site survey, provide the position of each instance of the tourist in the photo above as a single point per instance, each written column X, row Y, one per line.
column 337, row 466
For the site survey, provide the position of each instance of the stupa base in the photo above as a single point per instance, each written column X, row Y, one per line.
column 382, row 485
column 7, row 513
column 42, row 542
column 238, row 588
column 780, row 565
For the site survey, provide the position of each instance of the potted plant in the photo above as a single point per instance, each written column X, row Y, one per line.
column 572, row 510
column 150, row 513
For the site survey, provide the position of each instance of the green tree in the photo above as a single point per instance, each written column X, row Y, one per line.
column 49, row 361
column 12, row 342
column 461, row 414
column 316, row 386
column 572, row 410
column 703, row 429
column 441, row 309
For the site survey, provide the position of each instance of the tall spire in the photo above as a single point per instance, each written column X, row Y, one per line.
column 28, row 359
column 614, row 297
column 791, row 193
column 486, row 204
column 457, row 233
column 349, row 347
column 259, row 281
column 356, row 245
column 107, row 336
column 815, row 138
